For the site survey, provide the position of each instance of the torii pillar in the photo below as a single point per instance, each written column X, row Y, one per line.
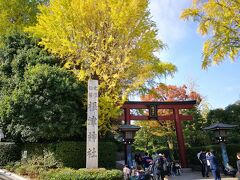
column 180, row 138
column 153, row 114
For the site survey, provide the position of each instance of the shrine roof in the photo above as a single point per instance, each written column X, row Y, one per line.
column 128, row 127
column 219, row 126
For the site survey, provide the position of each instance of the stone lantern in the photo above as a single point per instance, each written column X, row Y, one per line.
column 220, row 132
column 128, row 133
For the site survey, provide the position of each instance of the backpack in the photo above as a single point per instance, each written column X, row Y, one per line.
column 159, row 164
column 164, row 165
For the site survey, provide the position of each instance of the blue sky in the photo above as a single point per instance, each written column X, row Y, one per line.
column 219, row 84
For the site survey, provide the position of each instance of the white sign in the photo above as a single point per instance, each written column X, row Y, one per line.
column 1, row 134
column 92, row 125
column 24, row 155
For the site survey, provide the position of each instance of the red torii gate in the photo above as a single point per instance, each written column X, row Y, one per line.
column 153, row 114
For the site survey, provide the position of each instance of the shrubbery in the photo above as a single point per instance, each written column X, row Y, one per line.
column 73, row 154
column 9, row 152
column 47, row 166
column 82, row 174
column 39, row 100
column 35, row 165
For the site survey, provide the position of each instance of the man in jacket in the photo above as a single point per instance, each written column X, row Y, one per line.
column 214, row 165
column 204, row 166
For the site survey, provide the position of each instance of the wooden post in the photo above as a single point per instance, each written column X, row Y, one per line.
column 126, row 121
column 127, row 115
column 180, row 138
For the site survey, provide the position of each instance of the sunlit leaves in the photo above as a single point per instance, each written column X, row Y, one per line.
column 111, row 41
column 17, row 14
column 219, row 20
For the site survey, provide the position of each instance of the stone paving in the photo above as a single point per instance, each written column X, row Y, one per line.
column 6, row 175
column 192, row 175
column 196, row 175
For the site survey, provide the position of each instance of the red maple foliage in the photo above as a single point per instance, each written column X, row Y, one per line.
column 172, row 93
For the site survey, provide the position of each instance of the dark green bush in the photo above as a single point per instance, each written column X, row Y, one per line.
column 232, row 150
column 73, row 154
column 107, row 154
column 82, row 174
column 9, row 152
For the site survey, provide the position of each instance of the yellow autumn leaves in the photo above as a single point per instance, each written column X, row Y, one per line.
column 220, row 21
column 111, row 41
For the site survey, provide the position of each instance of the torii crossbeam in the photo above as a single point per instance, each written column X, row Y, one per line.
column 153, row 114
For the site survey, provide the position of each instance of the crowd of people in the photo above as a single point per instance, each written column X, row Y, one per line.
column 158, row 166
column 154, row 167
column 209, row 163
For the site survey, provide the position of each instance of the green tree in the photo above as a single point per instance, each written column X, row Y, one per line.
column 39, row 99
column 229, row 115
column 145, row 140
column 232, row 117
column 219, row 20
column 112, row 41
column 193, row 130
column 216, row 116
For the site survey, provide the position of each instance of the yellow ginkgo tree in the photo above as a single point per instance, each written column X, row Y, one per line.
column 15, row 15
column 112, row 41
column 220, row 21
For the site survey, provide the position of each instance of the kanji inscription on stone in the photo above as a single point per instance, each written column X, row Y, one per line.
column 92, row 125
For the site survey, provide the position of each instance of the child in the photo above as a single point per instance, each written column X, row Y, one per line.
column 176, row 169
column 126, row 172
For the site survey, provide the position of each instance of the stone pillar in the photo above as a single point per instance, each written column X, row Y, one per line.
column 92, row 125
column 224, row 154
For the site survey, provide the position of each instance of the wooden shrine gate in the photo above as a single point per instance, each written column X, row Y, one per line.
column 153, row 108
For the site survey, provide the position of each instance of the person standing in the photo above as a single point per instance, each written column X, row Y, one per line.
column 146, row 161
column 208, row 162
column 238, row 165
column 155, row 168
column 138, row 160
column 198, row 155
column 204, row 166
column 214, row 165
column 161, row 164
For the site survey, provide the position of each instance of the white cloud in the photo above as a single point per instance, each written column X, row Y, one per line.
column 166, row 15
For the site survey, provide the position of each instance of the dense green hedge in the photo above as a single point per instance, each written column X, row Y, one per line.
column 232, row 150
column 9, row 152
column 82, row 174
column 73, row 154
